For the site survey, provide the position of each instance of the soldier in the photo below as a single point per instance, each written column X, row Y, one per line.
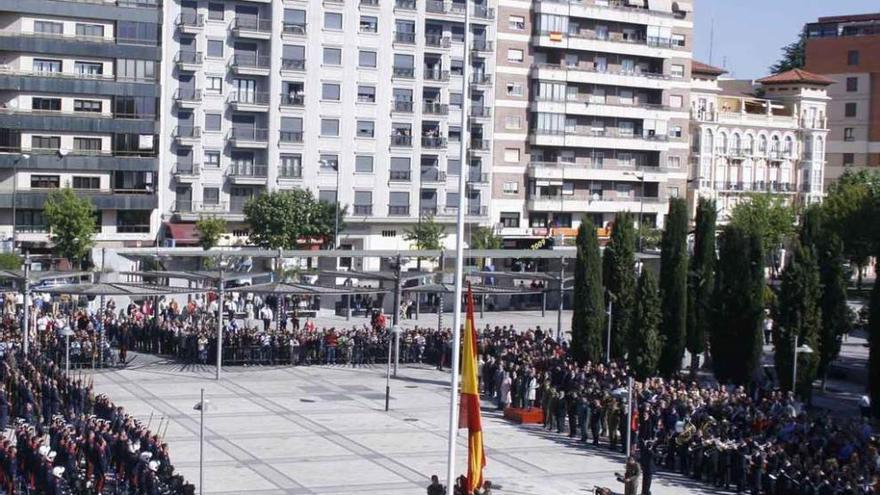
column 647, row 455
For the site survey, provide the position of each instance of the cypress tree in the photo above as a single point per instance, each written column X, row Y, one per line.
column 589, row 315
column 645, row 343
column 798, row 321
column 874, row 348
column 619, row 275
column 835, row 311
column 673, row 287
column 701, row 280
column 736, row 337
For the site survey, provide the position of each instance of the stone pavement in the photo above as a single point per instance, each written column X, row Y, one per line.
column 323, row 430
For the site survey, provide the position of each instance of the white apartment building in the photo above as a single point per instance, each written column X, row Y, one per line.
column 591, row 113
column 355, row 101
column 766, row 136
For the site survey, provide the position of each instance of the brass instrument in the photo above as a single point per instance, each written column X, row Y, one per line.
column 685, row 436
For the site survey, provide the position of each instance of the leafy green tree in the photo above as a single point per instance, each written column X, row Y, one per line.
column 850, row 208
column 701, row 281
column 836, row 315
column 645, row 342
column 426, row 234
column 280, row 219
column 210, row 230
column 71, row 222
column 485, row 238
column 794, row 56
column 798, row 320
column 736, row 337
column 767, row 216
column 10, row 261
column 874, row 348
column 588, row 318
column 673, row 286
column 619, row 274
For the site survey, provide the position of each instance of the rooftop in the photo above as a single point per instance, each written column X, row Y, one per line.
column 701, row 68
column 796, row 76
column 851, row 18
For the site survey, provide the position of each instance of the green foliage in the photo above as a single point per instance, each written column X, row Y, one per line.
column 850, row 208
column 836, row 319
column 587, row 321
column 736, row 338
column 673, row 287
column 279, row 219
column 645, row 342
column 426, row 234
column 485, row 238
column 210, row 229
column 71, row 222
column 701, row 278
column 10, row 261
column 651, row 237
column 794, row 56
column 874, row 348
column 767, row 216
column 619, row 275
column 799, row 318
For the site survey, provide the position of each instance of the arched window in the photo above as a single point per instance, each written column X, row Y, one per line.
column 709, row 142
column 820, row 147
column 774, row 145
column 722, row 142
column 750, row 144
column 762, row 144
column 808, row 146
column 737, row 144
column 789, row 146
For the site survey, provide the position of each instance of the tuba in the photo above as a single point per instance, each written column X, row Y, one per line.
column 686, row 434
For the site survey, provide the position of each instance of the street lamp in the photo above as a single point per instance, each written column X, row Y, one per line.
column 335, row 166
column 641, row 179
column 395, row 330
column 24, row 156
column 608, row 336
column 201, row 406
column 66, row 332
column 803, row 349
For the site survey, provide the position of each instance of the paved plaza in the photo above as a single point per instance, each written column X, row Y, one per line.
column 323, row 430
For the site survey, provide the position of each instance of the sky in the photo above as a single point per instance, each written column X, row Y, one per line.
column 750, row 34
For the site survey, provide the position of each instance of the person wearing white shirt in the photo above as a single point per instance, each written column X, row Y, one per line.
column 266, row 316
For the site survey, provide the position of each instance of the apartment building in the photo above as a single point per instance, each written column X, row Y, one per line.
column 845, row 49
column 591, row 113
column 764, row 136
column 78, row 108
column 360, row 102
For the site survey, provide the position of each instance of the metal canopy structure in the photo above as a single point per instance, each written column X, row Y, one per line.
column 477, row 289
column 449, row 254
column 116, row 289
column 198, row 276
column 382, row 275
column 299, row 289
column 545, row 276
column 37, row 277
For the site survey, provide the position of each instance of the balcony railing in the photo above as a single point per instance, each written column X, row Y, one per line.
column 399, row 175
column 362, row 210
column 190, row 20
column 290, row 136
column 251, row 24
column 637, row 72
column 405, row 4
column 433, row 142
column 188, row 95
column 480, row 144
column 398, row 210
column 483, row 12
column 478, row 177
column 249, row 98
column 298, row 64
column 248, row 170
column 191, row 169
column 583, row 131
column 250, row 61
column 200, row 207
column 249, row 134
column 434, row 108
column 481, row 111
column 187, row 132
column 436, row 74
column 433, row 175
column 437, row 41
column 428, row 211
column 404, row 72
column 369, row 3
column 441, row 7
column 189, row 58
column 401, row 141
column 405, row 38
column 292, row 100
column 294, row 28
column 402, row 106
column 481, row 79
column 482, row 46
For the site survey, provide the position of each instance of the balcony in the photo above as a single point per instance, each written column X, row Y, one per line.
column 402, row 38
column 185, row 173
column 369, row 3
column 401, row 141
column 403, row 72
column 399, row 176
column 188, row 98
column 481, row 12
column 433, row 175
column 190, row 23
column 405, row 5
column 402, row 106
column 437, row 41
column 398, row 211
column 444, row 8
column 293, row 29
column 434, row 108
column 431, row 142
column 436, row 75
column 482, row 46
column 251, row 28
column 293, row 64
column 187, row 135
column 591, row 74
column 290, row 137
column 480, row 145
column 247, row 101
column 187, row 61
column 250, row 64
column 191, row 210
column 481, row 79
column 613, row 138
column 481, row 112
column 248, row 173
column 293, row 100
column 470, row 211
column 248, row 137
column 362, row 210
column 478, row 178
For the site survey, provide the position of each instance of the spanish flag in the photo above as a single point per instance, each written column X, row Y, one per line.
column 469, row 409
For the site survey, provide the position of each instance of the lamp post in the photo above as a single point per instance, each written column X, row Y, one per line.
column 396, row 331
column 221, row 295
column 396, row 318
column 335, row 166
column 200, row 406
column 24, row 156
column 66, row 332
column 25, row 324
column 561, row 300
column 641, row 179
column 608, row 332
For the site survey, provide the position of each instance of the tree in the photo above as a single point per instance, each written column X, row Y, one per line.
column 836, row 319
column 426, row 234
column 210, row 229
column 767, row 216
column 874, row 348
column 645, row 342
column 798, row 320
column 794, row 56
column 71, row 222
column 280, row 219
column 619, row 275
column 736, row 338
column 485, row 238
column 673, row 286
column 701, row 281
column 589, row 315
column 850, row 207
column 10, row 261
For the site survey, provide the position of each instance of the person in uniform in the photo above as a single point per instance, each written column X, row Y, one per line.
column 435, row 488
column 630, row 478
column 646, row 461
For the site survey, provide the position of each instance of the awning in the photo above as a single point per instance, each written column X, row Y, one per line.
column 660, row 5
column 184, row 234
column 301, row 289
column 477, row 289
column 682, row 7
column 115, row 289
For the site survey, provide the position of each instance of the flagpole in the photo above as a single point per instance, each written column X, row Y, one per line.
column 464, row 163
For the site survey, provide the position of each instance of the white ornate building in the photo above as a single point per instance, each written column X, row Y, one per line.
column 763, row 136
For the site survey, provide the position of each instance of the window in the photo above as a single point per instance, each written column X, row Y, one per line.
column 849, row 159
column 366, row 58
column 363, row 164
column 46, row 104
column 511, row 187
column 513, row 122
column 675, row 101
column 94, row 106
column 211, row 195
column 45, row 181
column 514, row 89
column 511, row 155
column 144, row 70
column 215, row 48
column 514, row 55
column 455, row 100
column 849, row 134
column 88, row 68
column 675, row 131
column 852, row 84
column 330, row 127
column 215, row 11
column 330, row 91
column 678, row 40
column 366, row 128
column 568, row 188
column 86, row 182
column 332, row 20
column 45, row 65
column 850, row 110
column 214, row 84
column 88, row 145
column 46, row 142
column 212, row 159
column 673, row 162
column 329, row 162
column 510, row 219
column 389, row 233
column 366, row 94
column 47, row 27
column 212, row 121
column 332, row 56
column 363, row 202
column 140, row 33
column 677, row 71
column 673, row 191
column 90, row 30
column 291, row 166
column 369, row 24
column 852, row 57
column 516, row 23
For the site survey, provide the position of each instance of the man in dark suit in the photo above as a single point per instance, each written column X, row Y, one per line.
column 646, row 460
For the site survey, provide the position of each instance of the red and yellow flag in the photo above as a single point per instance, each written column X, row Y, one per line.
column 469, row 409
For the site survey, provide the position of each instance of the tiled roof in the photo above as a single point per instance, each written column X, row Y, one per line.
column 701, row 68
column 795, row 76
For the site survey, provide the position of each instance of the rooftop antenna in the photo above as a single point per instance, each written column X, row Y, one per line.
column 711, row 40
